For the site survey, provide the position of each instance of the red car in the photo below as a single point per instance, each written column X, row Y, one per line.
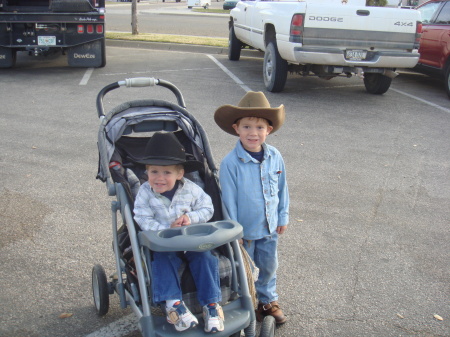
column 435, row 40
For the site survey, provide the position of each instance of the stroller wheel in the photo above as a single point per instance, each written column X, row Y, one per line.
column 268, row 327
column 100, row 290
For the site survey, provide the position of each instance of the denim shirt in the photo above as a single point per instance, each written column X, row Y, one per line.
column 255, row 194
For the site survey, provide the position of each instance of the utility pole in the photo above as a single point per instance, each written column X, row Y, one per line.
column 134, row 19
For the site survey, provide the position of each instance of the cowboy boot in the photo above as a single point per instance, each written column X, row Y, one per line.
column 272, row 309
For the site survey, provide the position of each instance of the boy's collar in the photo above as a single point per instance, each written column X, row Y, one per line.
column 245, row 156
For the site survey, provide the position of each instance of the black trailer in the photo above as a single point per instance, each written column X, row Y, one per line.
column 43, row 27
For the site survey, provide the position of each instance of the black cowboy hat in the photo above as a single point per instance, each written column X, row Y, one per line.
column 164, row 149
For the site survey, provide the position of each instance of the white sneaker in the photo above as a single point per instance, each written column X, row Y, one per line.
column 213, row 316
column 181, row 317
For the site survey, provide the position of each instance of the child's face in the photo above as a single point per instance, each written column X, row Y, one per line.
column 252, row 132
column 163, row 178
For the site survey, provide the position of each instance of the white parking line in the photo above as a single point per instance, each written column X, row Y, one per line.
column 121, row 327
column 422, row 100
column 87, row 76
column 229, row 73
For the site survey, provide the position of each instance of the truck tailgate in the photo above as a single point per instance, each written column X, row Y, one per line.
column 362, row 27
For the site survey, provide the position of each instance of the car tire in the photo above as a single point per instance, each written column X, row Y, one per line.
column 376, row 83
column 234, row 46
column 274, row 69
column 447, row 79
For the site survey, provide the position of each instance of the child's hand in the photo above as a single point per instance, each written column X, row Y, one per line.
column 281, row 229
column 181, row 221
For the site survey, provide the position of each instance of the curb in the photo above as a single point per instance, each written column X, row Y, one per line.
column 193, row 48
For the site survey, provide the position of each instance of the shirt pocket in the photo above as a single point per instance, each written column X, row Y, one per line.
column 273, row 181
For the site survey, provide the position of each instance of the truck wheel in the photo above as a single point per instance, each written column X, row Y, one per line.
column 447, row 80
column 274, row 69
column 71, row 6
column 377, row 84
column 103, row 51
column 234, row 46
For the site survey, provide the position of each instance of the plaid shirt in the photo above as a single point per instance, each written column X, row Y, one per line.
column 152, row 211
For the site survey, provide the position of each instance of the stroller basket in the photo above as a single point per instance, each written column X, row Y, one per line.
column 122, row 136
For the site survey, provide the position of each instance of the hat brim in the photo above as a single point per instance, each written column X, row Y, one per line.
column 227, row 115
column 189, row 165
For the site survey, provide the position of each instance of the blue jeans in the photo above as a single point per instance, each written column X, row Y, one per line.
column 265, row 255
column 204, row 269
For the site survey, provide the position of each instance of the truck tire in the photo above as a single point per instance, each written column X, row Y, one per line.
column 274, row 69
column 447, row 80
column 7, row 57
column 71, row 6
column 88, row 55
column 234, row 46
column 376, row 83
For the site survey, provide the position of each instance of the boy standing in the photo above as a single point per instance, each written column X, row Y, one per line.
column 168, row 200
column 254, row 189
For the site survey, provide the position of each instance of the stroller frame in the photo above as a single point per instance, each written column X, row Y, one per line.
column 150, row 116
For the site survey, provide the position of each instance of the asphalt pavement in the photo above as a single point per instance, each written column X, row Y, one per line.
column 367, row 250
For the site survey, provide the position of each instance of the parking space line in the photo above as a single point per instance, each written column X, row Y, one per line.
column 422, row 100
column 229, row 73
column 87, row 76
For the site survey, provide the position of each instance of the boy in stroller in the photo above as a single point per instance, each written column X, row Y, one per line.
column 169, row 200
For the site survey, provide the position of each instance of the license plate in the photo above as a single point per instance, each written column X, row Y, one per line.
column 355, row 55
column 47, row 40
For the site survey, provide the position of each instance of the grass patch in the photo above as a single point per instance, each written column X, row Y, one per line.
column 184, row 39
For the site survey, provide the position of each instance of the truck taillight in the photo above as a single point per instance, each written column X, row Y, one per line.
column 90, row 29
column 99, row 29
column 418, row 34
column 296, row 33
column 80, row 29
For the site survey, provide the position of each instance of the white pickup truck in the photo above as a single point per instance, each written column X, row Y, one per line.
column 327, row 38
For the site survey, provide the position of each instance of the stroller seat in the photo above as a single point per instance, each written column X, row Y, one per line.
column 126, row 170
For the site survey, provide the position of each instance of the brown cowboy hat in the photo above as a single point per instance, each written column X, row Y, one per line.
column 253, row 104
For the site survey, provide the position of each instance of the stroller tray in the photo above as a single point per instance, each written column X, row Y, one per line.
column 197, row 237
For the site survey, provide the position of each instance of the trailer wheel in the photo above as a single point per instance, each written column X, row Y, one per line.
column 71, row 6
column 376, row 83
column 100, row 290
column 268, row 327
column 274, row 69
column 234, row 46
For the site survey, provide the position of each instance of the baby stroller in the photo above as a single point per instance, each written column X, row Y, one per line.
column 123, row 134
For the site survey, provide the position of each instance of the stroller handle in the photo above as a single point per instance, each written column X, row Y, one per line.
column 137, row 82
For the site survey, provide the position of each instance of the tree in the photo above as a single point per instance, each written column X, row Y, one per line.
column 134, row 18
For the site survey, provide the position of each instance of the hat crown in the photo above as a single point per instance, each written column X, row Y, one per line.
column 254, row 99
column 165, row 146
